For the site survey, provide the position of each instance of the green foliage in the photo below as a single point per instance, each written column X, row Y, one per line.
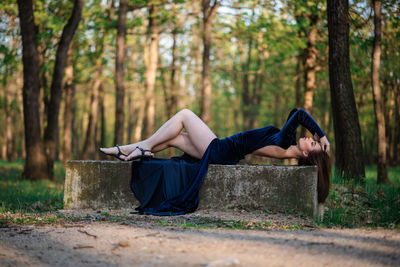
column 370, row 205
column 19, row 195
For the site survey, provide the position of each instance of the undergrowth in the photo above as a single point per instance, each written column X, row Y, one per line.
column 21, row 195
column 367, row 205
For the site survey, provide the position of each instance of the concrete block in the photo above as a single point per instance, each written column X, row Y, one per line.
column 98, row 184
column 106, row 184
column 276, row 188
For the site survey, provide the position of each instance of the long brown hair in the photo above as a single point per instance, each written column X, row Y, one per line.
column 323, row 162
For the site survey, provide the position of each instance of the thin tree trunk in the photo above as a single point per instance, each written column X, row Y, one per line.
column 258, row 80
column 69, row 90
column 137, row 134
column 172, row 103
column 349, row 152
column 51, row 132
column 396, row 142
column 120, row 72
column 377, row 95
column 310, row 65
column 151, row 68
column 90, row 140
column 35, row 163
column 9, row 140
column 246, row 84
column 299, row 69
column 209, row 12
column 103, row 121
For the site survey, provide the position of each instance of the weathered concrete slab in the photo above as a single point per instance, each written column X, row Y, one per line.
column 277, row 188
column 100, row 184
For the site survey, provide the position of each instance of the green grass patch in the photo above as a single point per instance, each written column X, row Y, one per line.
column 20, row 195
column 368, row 205
column 209, row 223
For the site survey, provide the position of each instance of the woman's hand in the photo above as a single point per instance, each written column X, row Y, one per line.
column 325, row 143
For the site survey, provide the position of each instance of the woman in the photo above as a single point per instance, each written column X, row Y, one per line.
column 201, row 143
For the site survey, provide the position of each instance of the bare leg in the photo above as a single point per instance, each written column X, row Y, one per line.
column 182, row 142
column 195, row 142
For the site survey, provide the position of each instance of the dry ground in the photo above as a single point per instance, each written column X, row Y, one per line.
column 154, row 241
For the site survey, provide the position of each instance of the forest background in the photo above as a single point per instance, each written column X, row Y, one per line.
column 237, row 64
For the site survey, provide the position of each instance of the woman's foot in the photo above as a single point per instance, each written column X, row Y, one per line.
column 139, row 152
column 115, row 151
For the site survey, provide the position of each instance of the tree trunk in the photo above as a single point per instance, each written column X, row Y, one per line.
column 396, row 142
column 69, row 90
column 151, row 68
column 377, row 95
column 209, row 12
column 246, row 84
column 299, row 69
column 172, row 103
column 35, row 163
column 90, row 140
column 51, row 132
column 349, row 152
column 120, row 72
column 310, row 65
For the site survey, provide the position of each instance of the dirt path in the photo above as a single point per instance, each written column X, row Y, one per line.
column 144, row 241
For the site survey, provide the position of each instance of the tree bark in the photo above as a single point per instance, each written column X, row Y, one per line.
column 349, row 152
column 172, row 99
column 69, row 91
column 8, row 126
column 258, row 81
column 90, row 140
column 246, row 98
column 297, row 85
column 377, row 95
column 151, row 68
column 35, row 163
column 120, row 72
column 209, row 12
column 310, row 65
column 51, row 132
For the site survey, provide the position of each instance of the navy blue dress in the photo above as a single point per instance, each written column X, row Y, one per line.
column 171, row 186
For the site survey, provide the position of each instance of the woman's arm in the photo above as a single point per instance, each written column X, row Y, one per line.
column 301, row 117
column 274, row 152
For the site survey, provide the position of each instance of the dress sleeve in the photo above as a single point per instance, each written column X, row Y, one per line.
column 301, row 117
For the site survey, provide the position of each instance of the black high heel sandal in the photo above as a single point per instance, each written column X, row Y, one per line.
column 143, row 156
column 118, row 156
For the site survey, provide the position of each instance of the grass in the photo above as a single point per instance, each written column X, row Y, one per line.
column 348, row 204
column 368, row 205
column 20, row 195
column 209, row 223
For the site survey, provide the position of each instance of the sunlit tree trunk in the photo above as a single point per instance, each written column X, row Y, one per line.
column 8, row 126
column 297, row 79
column 310, row 65
column 51, row 132
column 151, row 68
column 35, row 163
column 396, row 142
column 172, row 103
column 209, row 11
column 69, row 91
column 258, row 81
column 349, row 152
column 246, row 98
column 377, row 95
column 120, row 72
column 89, row 145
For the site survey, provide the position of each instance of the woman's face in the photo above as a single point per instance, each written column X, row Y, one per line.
column 307, row 144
